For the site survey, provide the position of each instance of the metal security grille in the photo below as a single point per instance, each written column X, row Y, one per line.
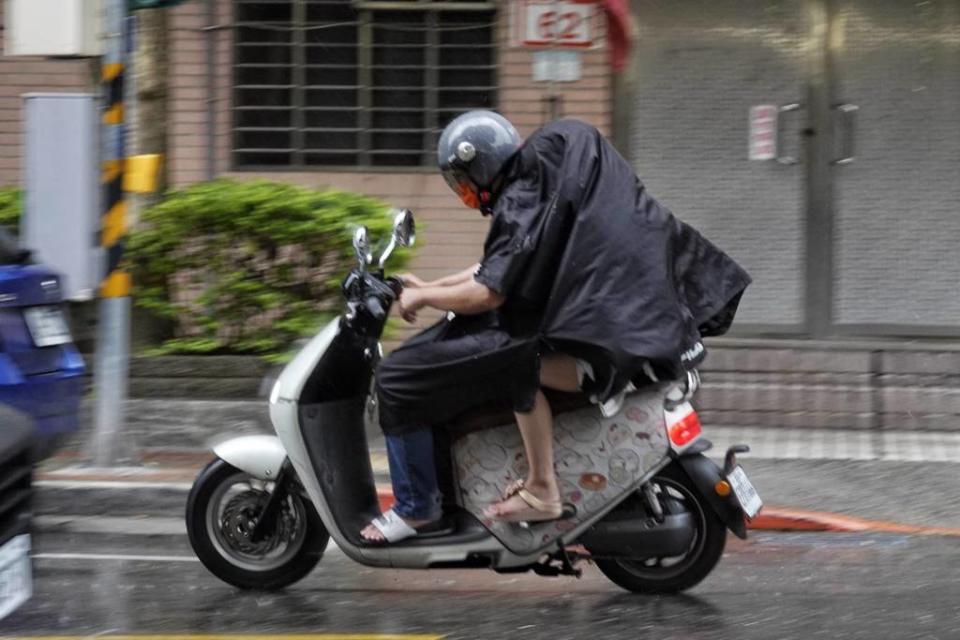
column 328, row 83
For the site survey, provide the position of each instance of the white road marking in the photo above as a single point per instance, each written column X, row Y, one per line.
column 111, row 635
column 331, row 548
column 111, row 484
column 113, row 556
column 111, row 524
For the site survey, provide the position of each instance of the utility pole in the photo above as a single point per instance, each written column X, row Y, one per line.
column 119, row 175
column 112, row 359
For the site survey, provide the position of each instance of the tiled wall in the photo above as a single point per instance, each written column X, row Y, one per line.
column 20, row 75
column 190, row 91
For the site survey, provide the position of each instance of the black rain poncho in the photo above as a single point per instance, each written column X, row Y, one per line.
column 593, row 266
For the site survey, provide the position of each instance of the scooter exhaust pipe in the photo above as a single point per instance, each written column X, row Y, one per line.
column 641, row 537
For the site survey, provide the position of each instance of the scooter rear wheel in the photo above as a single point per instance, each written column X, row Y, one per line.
column 656, row 575
column 221, row 512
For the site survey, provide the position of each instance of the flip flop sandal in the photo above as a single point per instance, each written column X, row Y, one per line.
column 512, row 489
column 545, row 511
column 393, row 527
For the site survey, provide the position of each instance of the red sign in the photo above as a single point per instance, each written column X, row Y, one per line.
column 560, row 24
column 763, row 132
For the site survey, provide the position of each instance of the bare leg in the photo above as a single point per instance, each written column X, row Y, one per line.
column 536, row 427
column 559, row 372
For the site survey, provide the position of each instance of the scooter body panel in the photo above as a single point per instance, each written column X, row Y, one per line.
column 321, row 426
column 599, row 461
column 294, row 376
column 330, row 491
column 259, row 455
column 317, row 409
column 285, row 413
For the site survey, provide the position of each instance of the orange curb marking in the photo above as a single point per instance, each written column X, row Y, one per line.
column 772, row 518
column 385, row 498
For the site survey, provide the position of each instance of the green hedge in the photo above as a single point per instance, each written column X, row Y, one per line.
column 248, row 267
column 11, row 204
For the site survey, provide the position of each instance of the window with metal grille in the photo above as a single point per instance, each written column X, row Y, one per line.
column 348, row 83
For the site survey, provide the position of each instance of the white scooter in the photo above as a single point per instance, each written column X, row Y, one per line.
column 641, row 499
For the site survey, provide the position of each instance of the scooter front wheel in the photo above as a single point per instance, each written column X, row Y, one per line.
column 222, row 510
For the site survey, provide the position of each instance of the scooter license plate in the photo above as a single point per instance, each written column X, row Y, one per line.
column 746, row 494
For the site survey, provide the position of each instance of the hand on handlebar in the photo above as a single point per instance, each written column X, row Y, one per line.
column 409, row 303
column 411, row 281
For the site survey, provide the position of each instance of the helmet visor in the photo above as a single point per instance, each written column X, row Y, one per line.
column 462, row 186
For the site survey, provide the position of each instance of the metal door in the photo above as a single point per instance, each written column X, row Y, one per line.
column 896, row 207
column 699, row 67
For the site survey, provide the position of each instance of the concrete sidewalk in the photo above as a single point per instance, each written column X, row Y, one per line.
column 808, row 479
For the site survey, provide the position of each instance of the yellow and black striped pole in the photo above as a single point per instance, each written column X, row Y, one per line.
column 112, row 357
column 116, row 282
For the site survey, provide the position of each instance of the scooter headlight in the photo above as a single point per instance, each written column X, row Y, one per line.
column 275, row 393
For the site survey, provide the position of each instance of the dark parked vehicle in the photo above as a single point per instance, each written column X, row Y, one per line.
column 16, row 444
column 41, row 372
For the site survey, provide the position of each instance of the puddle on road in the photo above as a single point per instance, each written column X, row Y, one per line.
column 853, row 547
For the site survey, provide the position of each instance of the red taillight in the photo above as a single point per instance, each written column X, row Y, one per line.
column 685, row 430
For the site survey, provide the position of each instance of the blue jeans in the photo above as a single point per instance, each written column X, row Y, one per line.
column 413, row 474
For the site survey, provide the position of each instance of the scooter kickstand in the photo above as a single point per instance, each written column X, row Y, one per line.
column 566, row 566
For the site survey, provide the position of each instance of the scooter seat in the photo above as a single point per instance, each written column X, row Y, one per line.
column 498, row 415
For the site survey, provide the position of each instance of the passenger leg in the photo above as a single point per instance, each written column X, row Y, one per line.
column 557, row 371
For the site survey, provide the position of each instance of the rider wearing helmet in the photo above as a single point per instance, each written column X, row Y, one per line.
column 586, row 282
column 467, row 359
column 473, row 150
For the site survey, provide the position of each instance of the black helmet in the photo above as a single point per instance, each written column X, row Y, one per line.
column 473, row 150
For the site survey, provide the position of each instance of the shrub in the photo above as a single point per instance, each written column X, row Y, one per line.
column 247, row 267
column 11, row 205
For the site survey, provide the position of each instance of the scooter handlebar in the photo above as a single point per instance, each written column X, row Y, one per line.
column 375, row 306
column 369, row 298
column 396, row 284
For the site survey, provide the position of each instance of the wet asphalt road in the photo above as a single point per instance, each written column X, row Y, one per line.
column 776, row 586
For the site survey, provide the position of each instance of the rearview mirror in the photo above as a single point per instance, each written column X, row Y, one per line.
column 404, row 234
column 361, row 247
column 404, row 228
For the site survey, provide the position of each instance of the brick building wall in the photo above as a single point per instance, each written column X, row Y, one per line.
column 189, row 91
column 20, row 75
column 450, row 236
